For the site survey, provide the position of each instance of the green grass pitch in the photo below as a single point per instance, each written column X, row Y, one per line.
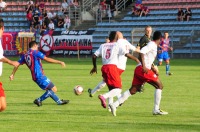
column 180, row 97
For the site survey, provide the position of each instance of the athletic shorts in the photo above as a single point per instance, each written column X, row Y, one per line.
column 44, row 83
column 2, row 94
column 111, row 76
column 120, row 71
column 140, row 77
column 163, row 56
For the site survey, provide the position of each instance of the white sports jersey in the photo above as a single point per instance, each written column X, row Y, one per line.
column 109, row 53
column 150, row 52
column 123, row 43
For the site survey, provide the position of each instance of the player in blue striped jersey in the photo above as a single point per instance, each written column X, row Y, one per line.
column 33, row 59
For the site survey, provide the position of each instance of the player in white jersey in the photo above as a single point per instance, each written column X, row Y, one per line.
column 5, row 60
column 111, row 75
column 145, row 72
column 121, row 64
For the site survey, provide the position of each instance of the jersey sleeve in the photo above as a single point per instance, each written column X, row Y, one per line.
column 98, row 51
column 125, row 42
column 21, row 60
column 40, row 55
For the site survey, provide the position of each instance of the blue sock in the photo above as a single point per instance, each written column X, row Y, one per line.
column 44, row 96
column 54, row 97
column 167, row 68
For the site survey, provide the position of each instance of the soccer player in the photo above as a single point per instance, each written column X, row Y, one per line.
column 145, row 72
column 121, row 64
column 2, row 93
column 111, row 75
column 5, row 60
column 163, row 52
column 144, row 40
column 123, row 43
column 33, row 61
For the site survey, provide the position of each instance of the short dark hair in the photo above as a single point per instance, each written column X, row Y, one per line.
column 157, row 35
column 112, row 35
column 32, row 43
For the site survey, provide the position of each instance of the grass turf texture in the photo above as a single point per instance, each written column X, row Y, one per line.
column 84, row 114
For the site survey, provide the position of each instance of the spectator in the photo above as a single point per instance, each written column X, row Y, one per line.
column 32, row 27
column 36, row 8
column 103, row 7
column 188, row 14
column 51, row 25
column 42, row 5
column 137, row 9
column 112, row 7
column 30, row 2
column 46, row 20
column 64, row 6
column 70, row 2
column 180, row 15
column 144, row 10
column 67, row 23
column 36, row 19
column 3, row 5
column 29, row 17
column 76, row 5
column 60, row 22
column 43, row 28
column 30, row 6
column 53, row 16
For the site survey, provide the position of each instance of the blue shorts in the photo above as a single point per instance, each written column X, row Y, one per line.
column 44, row 83
column 163, row 56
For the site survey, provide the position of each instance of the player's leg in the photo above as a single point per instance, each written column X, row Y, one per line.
column 167, row 60
column 47, row 85
column 112, row 93
column 112, row 78
column 2, row 99
column 101, row 85
column 160, row 59
column 136, row 86
column 157, row 97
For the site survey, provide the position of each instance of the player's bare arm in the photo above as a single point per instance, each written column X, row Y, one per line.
column 94, row 62
column 154, row 68
column 6, row 60
column 14, row 71
column 50, row 60
column 132, row 57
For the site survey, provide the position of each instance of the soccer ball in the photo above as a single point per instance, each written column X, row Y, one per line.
column 78, row 90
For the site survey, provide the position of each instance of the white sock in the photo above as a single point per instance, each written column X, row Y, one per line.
column 157, row 99
column 98, row 87
column 110, row 100
column 123, row 98
column 112, row 93
column 119, row 96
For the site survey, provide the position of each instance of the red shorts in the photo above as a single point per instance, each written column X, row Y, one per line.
column 120, row 71
column 140, row 77
column 110, row 73
column 2, row 94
